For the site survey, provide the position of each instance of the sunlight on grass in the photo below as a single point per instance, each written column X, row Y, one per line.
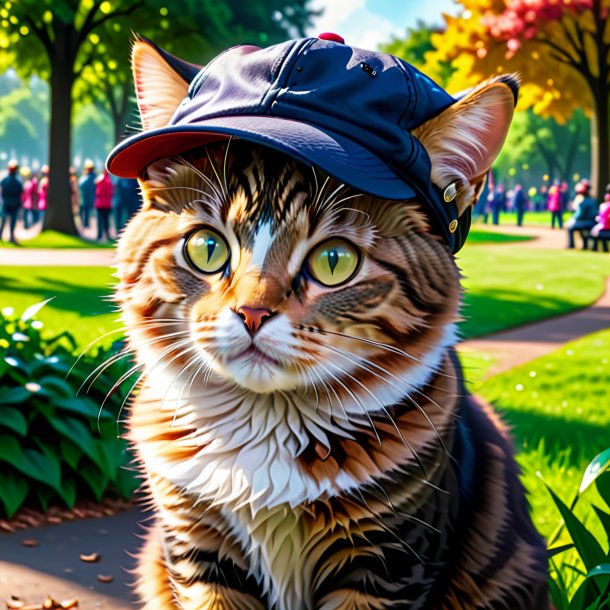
column 52, row 239
column 511, row 286
column 80, row 305
column 558, row 409
column 478, row 235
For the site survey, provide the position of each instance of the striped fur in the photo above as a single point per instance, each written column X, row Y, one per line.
column 347, row 468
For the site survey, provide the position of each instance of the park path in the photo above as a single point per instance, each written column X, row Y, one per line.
column 55, row 257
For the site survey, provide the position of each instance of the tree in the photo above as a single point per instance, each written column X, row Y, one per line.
column 560, row 47
column 60, row 39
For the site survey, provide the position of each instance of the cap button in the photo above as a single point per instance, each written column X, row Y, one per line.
column 453, row 225
column 331, row 36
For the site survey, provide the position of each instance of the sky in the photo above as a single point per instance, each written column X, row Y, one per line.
column 368, row 23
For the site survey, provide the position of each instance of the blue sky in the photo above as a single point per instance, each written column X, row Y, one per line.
column 367, row 23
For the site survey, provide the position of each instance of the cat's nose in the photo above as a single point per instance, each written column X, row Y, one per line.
column 254, row 317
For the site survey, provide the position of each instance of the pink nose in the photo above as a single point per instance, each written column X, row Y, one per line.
column 254, row 317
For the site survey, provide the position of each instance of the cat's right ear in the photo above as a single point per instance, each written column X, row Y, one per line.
column 161, row 82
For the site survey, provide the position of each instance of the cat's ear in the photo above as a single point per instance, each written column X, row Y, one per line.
column 161, row 82
column 464, row 140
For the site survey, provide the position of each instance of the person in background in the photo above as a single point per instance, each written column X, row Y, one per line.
column 104, row 190
column 87, row 192
column 30, row 198
column 519, row 204
column 585, row 212
column 129, row 200
column 554, row 205
column 602, row 227
column 12, row 192
column 498, row 204
column 43, row 189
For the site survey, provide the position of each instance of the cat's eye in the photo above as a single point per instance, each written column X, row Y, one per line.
column 334, row 262
column 207, row 251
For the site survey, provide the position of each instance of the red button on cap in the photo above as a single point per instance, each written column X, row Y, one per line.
column 331, row 36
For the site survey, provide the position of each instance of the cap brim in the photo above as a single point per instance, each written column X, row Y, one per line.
column 337, row 155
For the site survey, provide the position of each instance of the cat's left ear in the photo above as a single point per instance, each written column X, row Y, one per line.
column 465, row 139
column 161, row 81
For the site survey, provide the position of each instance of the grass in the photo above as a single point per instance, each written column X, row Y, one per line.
column 505, row 287
column 479, row 236
column 534, row 219
column 80, row 294
column 52, row 239
column 508, row 287
column 557, row 407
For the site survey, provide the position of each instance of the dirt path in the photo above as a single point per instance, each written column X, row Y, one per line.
column 55, row 257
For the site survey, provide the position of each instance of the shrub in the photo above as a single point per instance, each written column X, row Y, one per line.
column 591, row 584
column 57, row 444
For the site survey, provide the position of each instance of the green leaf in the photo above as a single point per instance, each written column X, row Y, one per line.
column 603, row 487
column 13, row 419
column 56, row 386
column 557, row 550
column 31, row 311
column 83, row 406
column 44, row 496
column 95, row 478
column 126, row 482
column 70, row 453
column 604, row 519
column 13, row 492
column 597, row 466
column 74, row 430
column 67, row 491
column 43, row 468
column 587, row 546
column 14, row 396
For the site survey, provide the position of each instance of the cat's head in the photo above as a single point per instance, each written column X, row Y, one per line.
column 249, row 266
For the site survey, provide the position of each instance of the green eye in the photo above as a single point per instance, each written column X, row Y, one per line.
column 334, row 262
column 207, row 251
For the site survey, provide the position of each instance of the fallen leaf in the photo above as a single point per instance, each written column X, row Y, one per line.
column 105, row 578
column 69, row 603
column 92, row 558
column 15, row 603
column 30, row 542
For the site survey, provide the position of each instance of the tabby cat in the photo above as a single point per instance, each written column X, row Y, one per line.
column 304, row 431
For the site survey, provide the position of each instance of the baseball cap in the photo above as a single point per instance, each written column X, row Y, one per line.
column 346, row 110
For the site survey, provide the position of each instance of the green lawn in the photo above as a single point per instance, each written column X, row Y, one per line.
column 80, row 304
column 478, row 235
column 530, row 218
column 510, row 286
column 505, row 287
column 557, row 407
column 52, row 239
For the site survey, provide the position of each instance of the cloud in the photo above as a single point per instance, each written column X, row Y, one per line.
column 351, row 19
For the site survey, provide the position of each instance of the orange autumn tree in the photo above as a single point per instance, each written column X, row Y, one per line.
column 560, row 48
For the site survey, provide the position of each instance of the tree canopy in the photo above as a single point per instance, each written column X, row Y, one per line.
column 560, row 49
column 86, row 42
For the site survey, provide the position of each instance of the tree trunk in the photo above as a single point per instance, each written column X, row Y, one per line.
column 600, row 143
column 59, row 216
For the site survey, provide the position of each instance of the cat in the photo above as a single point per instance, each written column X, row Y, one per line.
column 304, row 431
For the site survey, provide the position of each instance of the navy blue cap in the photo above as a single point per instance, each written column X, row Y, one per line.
column 346, row 110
